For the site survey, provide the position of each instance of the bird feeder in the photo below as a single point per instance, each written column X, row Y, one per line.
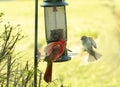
column 55, row 23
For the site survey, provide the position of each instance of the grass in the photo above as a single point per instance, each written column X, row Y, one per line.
column 84, row 17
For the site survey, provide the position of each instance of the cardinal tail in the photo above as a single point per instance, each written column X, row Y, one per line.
column 48, row 72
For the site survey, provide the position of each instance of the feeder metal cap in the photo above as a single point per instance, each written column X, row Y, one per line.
column 50, row 3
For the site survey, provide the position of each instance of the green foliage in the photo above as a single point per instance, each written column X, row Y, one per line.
column 1, row 14
column 9, row 40
column 11, row 72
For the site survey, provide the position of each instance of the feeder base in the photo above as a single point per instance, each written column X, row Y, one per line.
column 63, row 59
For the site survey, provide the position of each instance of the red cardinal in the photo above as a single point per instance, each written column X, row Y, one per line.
column 53, row 52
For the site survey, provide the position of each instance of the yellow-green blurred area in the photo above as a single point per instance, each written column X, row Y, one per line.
column 93, row 18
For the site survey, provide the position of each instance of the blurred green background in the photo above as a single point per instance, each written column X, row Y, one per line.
column 93, row 18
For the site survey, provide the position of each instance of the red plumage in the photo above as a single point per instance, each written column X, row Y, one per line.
column 53, row 51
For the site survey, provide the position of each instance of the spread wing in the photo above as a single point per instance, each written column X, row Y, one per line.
column 93, row 42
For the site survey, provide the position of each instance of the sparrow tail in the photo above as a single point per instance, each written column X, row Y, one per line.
column 94, row 56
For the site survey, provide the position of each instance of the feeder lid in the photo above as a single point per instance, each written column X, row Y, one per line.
column 50, row 3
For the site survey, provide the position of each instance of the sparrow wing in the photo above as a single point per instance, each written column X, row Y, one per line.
column 92, row 42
